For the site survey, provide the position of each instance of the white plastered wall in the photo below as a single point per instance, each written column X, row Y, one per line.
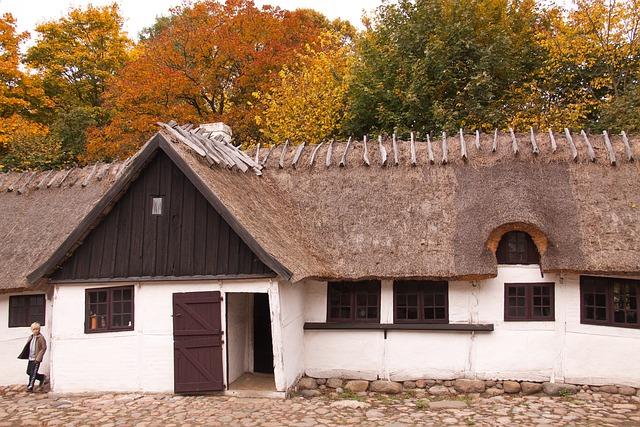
column 12, row 341
column 561, row 350
column 292, row 306
column 142, row 359
column 239, row 334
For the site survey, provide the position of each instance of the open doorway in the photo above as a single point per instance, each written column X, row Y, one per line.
column 249, row 342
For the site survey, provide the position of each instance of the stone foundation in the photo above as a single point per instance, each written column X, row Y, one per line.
column 308, row 386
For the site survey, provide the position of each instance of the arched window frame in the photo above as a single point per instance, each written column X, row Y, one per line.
column 517, row 247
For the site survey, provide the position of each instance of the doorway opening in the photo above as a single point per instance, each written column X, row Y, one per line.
column 249, row 342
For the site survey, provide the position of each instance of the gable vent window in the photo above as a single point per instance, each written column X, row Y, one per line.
column 156, row 207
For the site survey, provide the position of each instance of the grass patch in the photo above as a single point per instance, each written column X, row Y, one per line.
column 349, row 395
column 422, row 404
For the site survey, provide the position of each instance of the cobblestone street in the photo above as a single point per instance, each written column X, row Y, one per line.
column 19, row 408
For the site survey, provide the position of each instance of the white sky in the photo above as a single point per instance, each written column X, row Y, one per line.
column 142, row 13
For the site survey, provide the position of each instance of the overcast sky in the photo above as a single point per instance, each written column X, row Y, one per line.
column 142, row 13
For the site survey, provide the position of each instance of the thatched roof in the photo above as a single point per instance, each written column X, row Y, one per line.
column 38, row 210
column 416, row 218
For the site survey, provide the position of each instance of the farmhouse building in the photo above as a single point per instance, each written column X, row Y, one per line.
column 193, row 265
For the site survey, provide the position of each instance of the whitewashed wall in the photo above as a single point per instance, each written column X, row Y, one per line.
column 239, row 334
column 12, row 341
column 292, row 320
column 142, row 359
column 562, row 350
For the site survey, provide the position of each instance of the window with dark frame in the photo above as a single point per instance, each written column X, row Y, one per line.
column 109, row 309
column 26, row 309
column 609, row 301
column 420, row 301
column 353, row 301
column 517, row 247
column 529, row 301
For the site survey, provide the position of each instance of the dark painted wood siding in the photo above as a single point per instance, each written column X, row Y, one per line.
column 189, row 239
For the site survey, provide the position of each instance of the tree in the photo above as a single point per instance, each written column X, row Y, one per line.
column 432, row 65
column 310, row 103
column 75, row 57
column 202, row 64
column 591, row 68
column 23, row 141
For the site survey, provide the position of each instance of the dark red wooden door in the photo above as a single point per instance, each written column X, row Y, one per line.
column 197, row 342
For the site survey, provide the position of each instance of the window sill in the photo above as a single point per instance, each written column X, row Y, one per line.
column 463, row 327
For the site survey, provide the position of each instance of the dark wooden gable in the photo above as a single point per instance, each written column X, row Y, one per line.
column 189, row 238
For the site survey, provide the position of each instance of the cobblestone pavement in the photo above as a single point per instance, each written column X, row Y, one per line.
column 19, row 408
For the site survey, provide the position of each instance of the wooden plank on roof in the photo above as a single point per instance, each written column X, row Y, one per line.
column 13, row 185
column 627, row 146
column 25, row 185
column 103, row 171
column 54, row 177
column 314, row 153
column 534, row 144
column 394, row 146
column 257, row 157
column 327, row 161
column 365, row 154
column 183, row 136
column 463, row 147
column 572, row 146
column 383, row 151
column 607, row 144
column 44, row 179
column 266, row 158
column 477, row 140
column 494, row 146
column 414, row 160
column 514, row 142
column 87, row 179
column 430, row 150
column 445, row 153
column 552, row 138
column 343, row 160
column 282, row 154
column 66, row 175
column 590, row 152
column 296, row 156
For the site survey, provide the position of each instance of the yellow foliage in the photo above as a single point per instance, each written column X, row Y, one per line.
column 309, row 104
column 26, row 144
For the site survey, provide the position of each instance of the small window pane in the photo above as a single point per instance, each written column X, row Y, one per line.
column 420, row 301
column 26, row 309
column 353, row 301
column 156, row 208
column 109, row 309
column 529, row 301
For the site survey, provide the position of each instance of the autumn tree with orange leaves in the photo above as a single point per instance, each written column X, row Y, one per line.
column 202, row 64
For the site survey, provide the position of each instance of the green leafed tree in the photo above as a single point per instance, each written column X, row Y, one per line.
column 433, row 65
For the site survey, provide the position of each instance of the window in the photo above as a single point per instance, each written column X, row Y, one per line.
column 156, row 206
column 528, row 301
column 609, row 301
column 517, row 247
column 420, row 302
column 109, row 309
column 26, row 309
column 353, row 301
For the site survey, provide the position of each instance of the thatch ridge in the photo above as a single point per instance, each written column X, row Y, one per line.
column 483, row 157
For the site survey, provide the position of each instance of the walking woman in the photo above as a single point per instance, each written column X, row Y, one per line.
column 34, row 351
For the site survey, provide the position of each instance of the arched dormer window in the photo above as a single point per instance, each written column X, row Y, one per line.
column 517, row 247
